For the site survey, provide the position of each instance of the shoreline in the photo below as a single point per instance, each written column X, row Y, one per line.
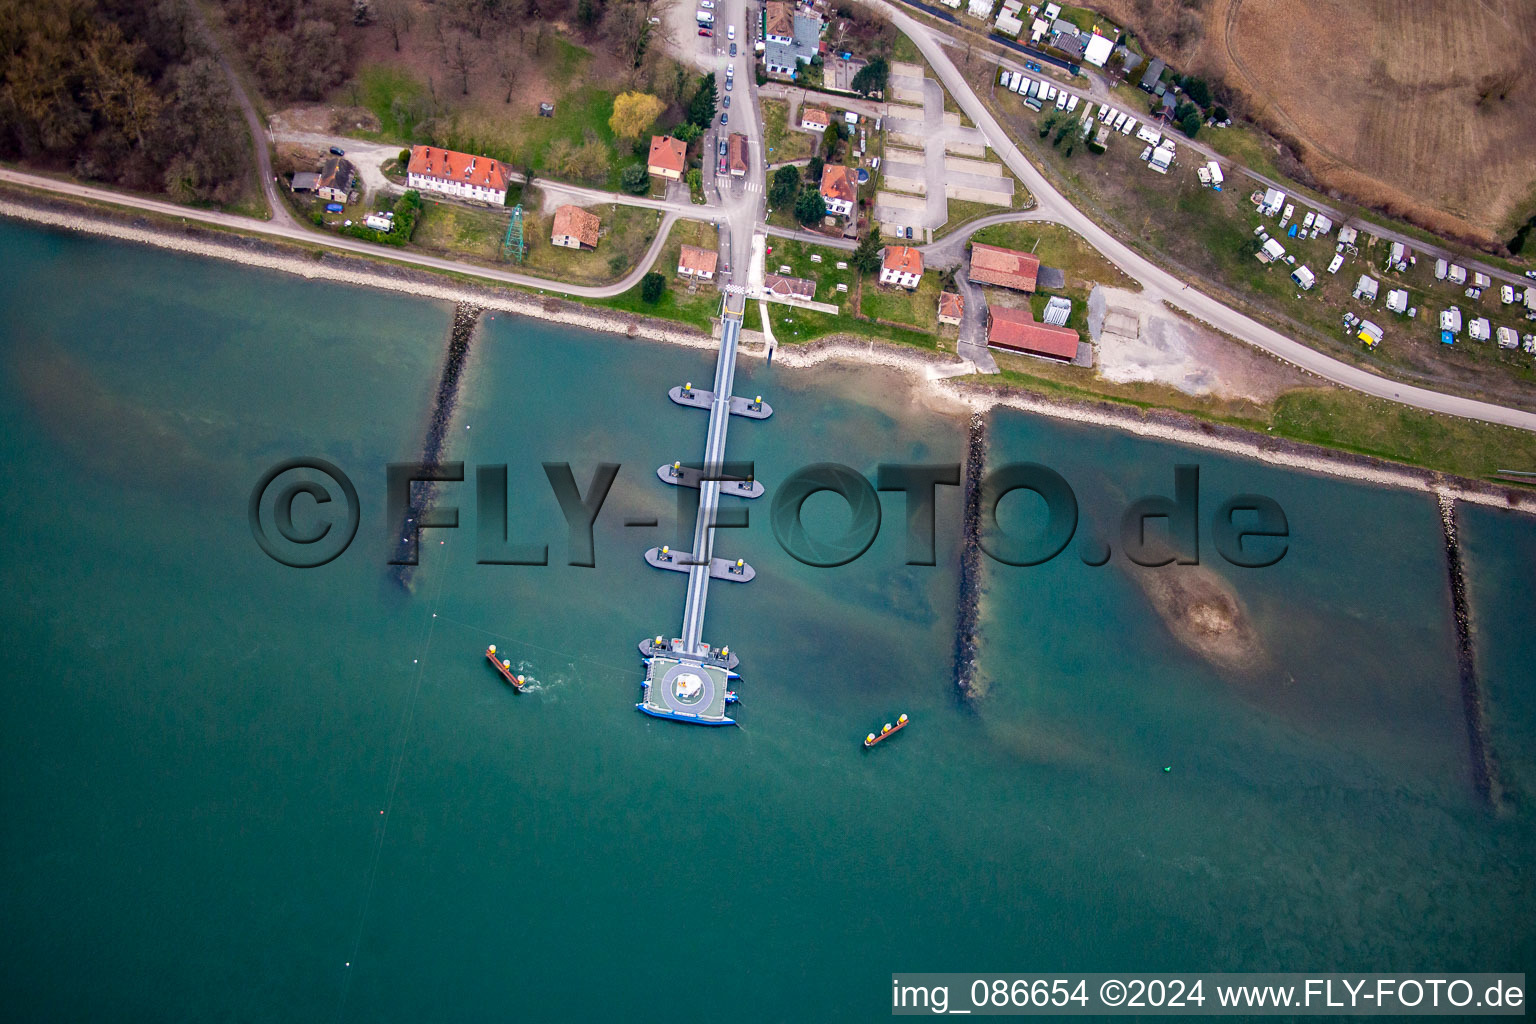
column 935, row 370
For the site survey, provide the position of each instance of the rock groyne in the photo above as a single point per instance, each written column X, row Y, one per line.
column 969, row 612
column 1485, row 776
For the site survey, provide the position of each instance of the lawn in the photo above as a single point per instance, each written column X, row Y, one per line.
column 797, row 256
column 696, row 308
column 783, row 144
column 918, row 308
column 1057, row 247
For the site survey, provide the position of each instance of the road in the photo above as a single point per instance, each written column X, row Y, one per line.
column 1157, row 283
column 294, row 232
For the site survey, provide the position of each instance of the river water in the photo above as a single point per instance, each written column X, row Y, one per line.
column 238, row 790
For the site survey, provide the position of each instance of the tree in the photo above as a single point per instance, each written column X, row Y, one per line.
column 1197, row 90
column 784, row 187
column 872, row 77
column 701, row 110
column 695, row 178
column 813, row 169
column 560, row 157
column 686, row 132
column 589, row 13
column 396, row 17
column 635, row 180
column 830, row 138
column 867, row 256
column 1190, row 124
column 810, row 207
column 1219, row 114
column 652, row 287
column 592, row 161
column 1067, row 125
column 508, row 56
column 634, row 113
column 460, row 57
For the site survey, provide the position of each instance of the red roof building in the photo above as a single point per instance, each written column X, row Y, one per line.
column 1006, row 268
column 457, row 174
column 1017, row 331
column 669, row 157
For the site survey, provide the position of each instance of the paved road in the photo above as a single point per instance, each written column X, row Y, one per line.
column 1161, row 285
column 294, row 232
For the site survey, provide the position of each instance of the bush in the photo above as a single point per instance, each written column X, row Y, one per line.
column 1197, row 90
column 407, row 211
column 1191, row 124
column 784, row 187
column 405, row 157
column 652, row 287
column 635, row 180
column 872, row 77
column 813, row 169
column 810, row 207
column 1219, row 114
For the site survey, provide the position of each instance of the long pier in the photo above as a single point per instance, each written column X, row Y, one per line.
column 687, row 679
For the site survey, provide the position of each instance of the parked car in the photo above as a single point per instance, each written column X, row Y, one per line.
column 730, row 31
column 1530, row 273
column 705, row 32
column 722, row 149
column 733, row 49
column 338, row 151
column 728, row 82
column 725, row 119
column 708, row 5
column 726, row 102
column 909, row 232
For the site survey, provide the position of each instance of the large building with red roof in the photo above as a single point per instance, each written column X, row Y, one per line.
column 458, row 174
column 1017, row 331
column 1006, row 268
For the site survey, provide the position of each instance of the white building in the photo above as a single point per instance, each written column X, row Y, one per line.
column 1397, row 300
column 1274, row 202
column 458, row 174
column 1450, row 320
column 1480, row 329
column 902, row 265
column 1008, row 25
column 1366, row 288
column 1272, row 250
column 979, row 9
column 1098, row 49
column 1304, row 277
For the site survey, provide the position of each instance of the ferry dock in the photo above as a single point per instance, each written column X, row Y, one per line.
column 686, row 679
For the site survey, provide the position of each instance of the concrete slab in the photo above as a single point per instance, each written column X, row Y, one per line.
column 906, row 70
column 964, row 165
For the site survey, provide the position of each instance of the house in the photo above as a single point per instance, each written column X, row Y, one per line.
column 669, row 157
column 305, row 181
column 1058, row 310
column 792, row 38
column 1061, row 27
column 1016, row 331
column 574, row 228
column 1304, row 277
column 1098, row 50
column 1006, row 268
column 1153, row 73
column 952, row 308
column 814, row 119
column 1369, row 333
column 778, row 23
column 902, row 265
column 1366, row 288
column 839, row 188
column 789, row 287
column 1274, row 200
column 1397, row 300
column 461, row 175
column 1450, row 320
column 1130, row 59
column 1008, row 25
column 1038, row 29
column 736, row 154
column 1052, row 12
column 335, row 181
column 697, row 263
column 1480, row 329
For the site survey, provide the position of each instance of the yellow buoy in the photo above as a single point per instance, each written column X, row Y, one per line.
column 493, row 648
column 902, row 719
column 506, row 664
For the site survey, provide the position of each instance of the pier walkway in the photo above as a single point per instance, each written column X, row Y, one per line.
column 687, row 680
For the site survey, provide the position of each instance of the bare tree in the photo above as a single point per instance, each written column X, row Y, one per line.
column 396, row 16
column 508, row 56
column 460, row 56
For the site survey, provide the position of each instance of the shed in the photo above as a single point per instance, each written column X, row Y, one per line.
column 305, row 181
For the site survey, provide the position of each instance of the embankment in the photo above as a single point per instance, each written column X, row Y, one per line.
column 966, row 618
column 1485, row 773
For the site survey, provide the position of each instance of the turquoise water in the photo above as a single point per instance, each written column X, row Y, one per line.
column 237, row 790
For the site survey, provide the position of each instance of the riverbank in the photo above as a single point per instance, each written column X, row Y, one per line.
column 937, row 370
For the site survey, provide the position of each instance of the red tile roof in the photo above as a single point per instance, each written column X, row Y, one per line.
column 1016, row 329
column 668, row 154
column 903, row 259
column 737, row 153
column 837, row 182
column 698, row 261
column 952, row 305
column 776, row 284
column 577, row 223
column 1005, row 267
column 453, row 166
column 815, row 115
